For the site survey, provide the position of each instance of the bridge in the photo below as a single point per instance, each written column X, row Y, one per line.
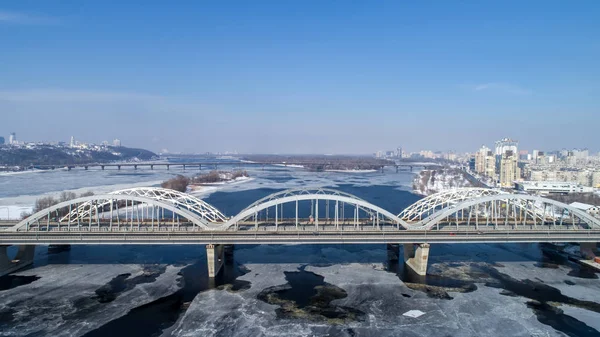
column 299, row 216
column 216, row 164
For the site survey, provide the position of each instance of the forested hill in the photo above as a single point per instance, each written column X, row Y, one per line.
column 56, row 155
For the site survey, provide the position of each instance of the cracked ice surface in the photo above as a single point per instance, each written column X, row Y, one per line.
column 51, row 306
column 484, row 312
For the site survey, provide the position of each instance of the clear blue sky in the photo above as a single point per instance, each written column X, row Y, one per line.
column 302, row 76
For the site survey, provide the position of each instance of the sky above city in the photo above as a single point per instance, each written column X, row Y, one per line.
column 302, row 76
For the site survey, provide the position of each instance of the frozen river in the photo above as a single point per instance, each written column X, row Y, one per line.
column 332, row 290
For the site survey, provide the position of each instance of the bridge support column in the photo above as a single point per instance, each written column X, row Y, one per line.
column 588, row 250
column 228, row 254
column 23, row 259
column 393, row 252
column 214, row 257
column 102, row 166
column 416, row 259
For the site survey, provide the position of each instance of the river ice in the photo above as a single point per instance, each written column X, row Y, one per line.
column 380, row 294
column 61, row 302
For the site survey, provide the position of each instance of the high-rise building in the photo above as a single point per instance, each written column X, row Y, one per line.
column 12, row 139
column 480, row 157
column 117, row 143
column 485, row 162
column 1, row 140
column 509, row 169
column 72, row 143
column 506, row 144
column 399, row 152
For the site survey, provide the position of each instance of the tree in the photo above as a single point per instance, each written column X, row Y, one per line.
column 179, row 183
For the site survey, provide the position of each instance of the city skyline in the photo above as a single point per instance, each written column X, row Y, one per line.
column 303, row 78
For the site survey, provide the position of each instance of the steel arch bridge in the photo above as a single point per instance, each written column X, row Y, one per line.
column 510, row 211
column 334, row 207
column 207, row 212
column 323, row 211
column 111, row 212
column 432, row 203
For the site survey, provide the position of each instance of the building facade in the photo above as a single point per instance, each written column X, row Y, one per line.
column 548, row 187
column 509, row 169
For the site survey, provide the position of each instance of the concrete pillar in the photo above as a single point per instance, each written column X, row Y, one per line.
column 23, row 259
column 588, row 250
column 416, row 259
column 214, row 257
column 228, row 254
column 393, row 252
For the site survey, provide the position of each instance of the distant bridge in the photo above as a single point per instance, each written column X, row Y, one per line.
column 326, row 165
column 303, row 216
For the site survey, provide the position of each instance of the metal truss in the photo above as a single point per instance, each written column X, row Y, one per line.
column 182, row 200
column 335, row 202
column 162, row 210
column 510, row 211
column 433, row 203
column 112, row 212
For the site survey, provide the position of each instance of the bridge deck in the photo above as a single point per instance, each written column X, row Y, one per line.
column 296, row 237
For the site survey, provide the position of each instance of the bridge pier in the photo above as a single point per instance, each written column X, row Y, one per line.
column 23, row 259
column 135, row 167
column 214, row 257
column 588, row 250
column 102, row 166
column 119, row 167
column 393, row 252
column 417, row 259
column 152, row 167
column 86, row 168
column 167, row 167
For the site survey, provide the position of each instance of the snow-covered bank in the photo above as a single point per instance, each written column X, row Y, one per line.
column 14, row 212
column 14, row 173
column 289, row 165
column 11, row 208
column 428, row 182
column 204, row 189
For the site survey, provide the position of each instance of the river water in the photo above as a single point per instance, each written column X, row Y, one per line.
column 293, row 290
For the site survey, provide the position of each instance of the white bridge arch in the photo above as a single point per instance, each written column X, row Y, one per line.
column 97, row 203
column 435, row 202
column 377, row 214
column 514, row 210
column 207, row 212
